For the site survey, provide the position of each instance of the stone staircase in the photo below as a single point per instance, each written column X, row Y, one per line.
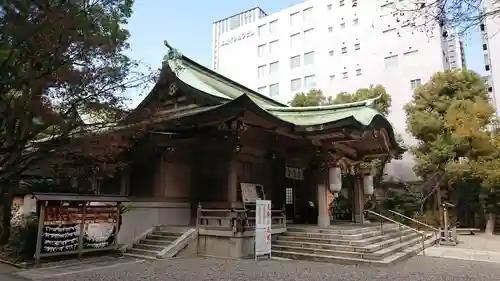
column 162, row 242
column 350, row 244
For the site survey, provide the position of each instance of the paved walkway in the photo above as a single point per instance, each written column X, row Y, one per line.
column 204, row 269
column 484, row 248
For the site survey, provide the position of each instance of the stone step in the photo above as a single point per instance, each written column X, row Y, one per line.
column 342, row 230
column 369, row 248
column 341, row 241
column 355, row 237
column 397, row 256
column 139, row 256
column 161, row 243
column 166, row 234
column 161, row 237
column 143, row 246
column 142, row 252
column 377, row 255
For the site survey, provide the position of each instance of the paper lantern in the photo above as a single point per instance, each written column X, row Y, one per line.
column 368, row 184
column 335, row 179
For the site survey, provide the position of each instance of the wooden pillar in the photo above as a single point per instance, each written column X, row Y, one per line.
column 39, row 238
column 82, row 231
column 232, row 181
column 323, row 215
column 358, row 200
column 125, row 182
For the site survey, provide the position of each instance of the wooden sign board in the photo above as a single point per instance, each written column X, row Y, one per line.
column 294, row 173
column 251, row 192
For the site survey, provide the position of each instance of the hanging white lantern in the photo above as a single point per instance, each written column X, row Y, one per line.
column 335, row 179
column 368, row 184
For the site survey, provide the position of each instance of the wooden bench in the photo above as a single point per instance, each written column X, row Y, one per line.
column 467, row 231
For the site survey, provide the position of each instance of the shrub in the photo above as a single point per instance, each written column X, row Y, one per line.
column 22, row 242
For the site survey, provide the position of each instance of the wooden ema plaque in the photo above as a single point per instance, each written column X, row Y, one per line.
column 72, row 215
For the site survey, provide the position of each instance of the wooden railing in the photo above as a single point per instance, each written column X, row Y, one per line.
column 234, row 217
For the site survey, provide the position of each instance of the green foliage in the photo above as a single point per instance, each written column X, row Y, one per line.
column 449, row 116
column 383, row 104
column 61, row 61
column 314, row 97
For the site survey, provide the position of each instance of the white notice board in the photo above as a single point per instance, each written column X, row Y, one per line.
column 262, row 228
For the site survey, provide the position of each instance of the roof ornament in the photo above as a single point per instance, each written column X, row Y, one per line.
column 174, row 56
column 373, row 101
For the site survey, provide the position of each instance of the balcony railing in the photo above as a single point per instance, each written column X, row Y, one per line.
column 226, row 218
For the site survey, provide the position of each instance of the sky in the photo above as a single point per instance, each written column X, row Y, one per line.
column 187, row 26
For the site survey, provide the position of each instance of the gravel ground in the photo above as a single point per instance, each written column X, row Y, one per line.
column 417, row 268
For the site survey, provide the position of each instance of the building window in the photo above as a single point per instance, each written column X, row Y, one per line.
column 308, row 34
column 294, row 40
column 261, row 30
column 274, row 90
column 294, row 19
column 307, row 14
column 289, row 196
column 310, row 81
column 344, row 75
column 294, row 62
column 341, row 3
column 273, row 26
column 235, row 22
column 357, row 46
column 332, row 76
column 309, row 58
column 358, row 72
column 262, row 90
column 391, row 61
column 295, row 85
column 415, row 83
column 273, row 46
column 342, row 25
column 344, row 50
column 487, row 67
column 330, row 53
column 329, row 7
column 330, row 29
column 485, row 47
column 261, row 50
column 355, row 22
column 261, row 71
column 274, row 67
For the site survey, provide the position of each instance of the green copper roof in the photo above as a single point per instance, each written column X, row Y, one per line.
column 363, row 112
column 212, row 83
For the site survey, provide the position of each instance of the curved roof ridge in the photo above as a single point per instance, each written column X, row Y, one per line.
column 363, row 103
column 179, row 59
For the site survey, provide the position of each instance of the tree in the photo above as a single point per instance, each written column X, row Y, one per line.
column 314, row 97
column 383, row 103
column 459, row 15
column 63, row 76
column 450, row 116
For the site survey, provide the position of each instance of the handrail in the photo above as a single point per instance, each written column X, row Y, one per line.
column 414, row 220
column 422, row 234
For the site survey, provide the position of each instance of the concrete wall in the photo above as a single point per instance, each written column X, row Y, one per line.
column 226, row 247
column 148, row 213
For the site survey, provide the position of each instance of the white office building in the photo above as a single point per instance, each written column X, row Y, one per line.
column 490, row 31
column 335, row 46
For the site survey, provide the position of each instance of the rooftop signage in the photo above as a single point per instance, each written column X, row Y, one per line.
column 236, row 38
